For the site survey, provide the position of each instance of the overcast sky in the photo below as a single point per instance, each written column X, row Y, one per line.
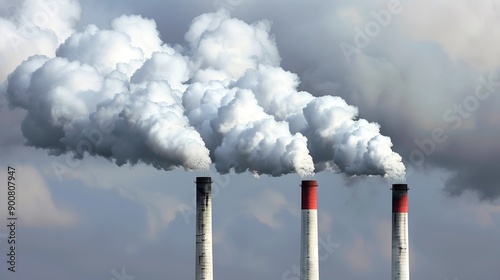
column 428, row 72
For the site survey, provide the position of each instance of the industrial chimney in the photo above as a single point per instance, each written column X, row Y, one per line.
column 204, row 264
column 309, row 265
column 400, row 253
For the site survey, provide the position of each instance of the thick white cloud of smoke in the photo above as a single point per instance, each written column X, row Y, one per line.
column 34, row 27
column 124, row 94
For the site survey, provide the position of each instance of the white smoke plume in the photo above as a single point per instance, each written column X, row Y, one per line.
column 124, row 94
column 34, row 27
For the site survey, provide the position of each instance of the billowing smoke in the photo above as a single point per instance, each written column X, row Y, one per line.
column 124, row 94
column 34, row 27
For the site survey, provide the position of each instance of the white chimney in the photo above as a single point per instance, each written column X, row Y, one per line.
column 400, row 253
column 309, row 260
column 204, row 261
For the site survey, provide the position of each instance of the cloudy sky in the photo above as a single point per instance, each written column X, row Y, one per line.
column 110, row 109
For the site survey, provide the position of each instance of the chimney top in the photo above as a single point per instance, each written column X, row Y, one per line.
column 203, row 179
column 309, row 183
column 400, row 187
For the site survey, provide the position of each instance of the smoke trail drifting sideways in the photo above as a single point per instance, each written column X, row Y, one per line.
column 335, row 139
column 223, row 99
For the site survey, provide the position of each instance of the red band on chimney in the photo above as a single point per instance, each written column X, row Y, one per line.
column 309, row 200
column 399, row 198
column 400, row 203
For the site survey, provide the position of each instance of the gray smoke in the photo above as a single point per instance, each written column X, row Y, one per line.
column 124, row 94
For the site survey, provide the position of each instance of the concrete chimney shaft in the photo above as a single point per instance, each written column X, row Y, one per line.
column 309, row 260
column 400, row 252
column 204, row 261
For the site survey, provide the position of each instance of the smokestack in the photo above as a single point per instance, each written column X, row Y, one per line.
column 400, row 253
column 204, row 263
column 309, row 265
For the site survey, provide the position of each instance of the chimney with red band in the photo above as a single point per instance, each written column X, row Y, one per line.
column 309, row 264
column 400, row 253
